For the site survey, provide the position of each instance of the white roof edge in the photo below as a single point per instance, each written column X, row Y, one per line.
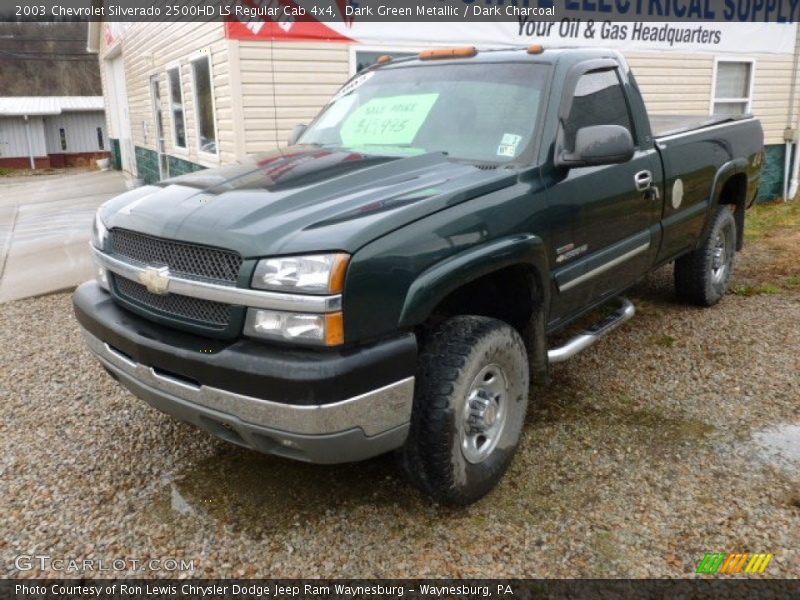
column 18, row 106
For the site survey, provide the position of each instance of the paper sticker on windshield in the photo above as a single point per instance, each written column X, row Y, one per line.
column 351, row 87
column 387, row 121
column 508, row 145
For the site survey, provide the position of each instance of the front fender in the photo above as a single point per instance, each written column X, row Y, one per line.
column 437, row 282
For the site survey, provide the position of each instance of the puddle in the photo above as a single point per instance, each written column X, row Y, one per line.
column 257, row 494
column 780, row 446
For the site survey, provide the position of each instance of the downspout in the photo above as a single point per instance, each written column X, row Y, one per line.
column 790, row 135
column 795, row 173
column 30, row 144
column 93, row 37
column 787, row 162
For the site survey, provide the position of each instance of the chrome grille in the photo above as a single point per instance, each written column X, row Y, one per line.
column 208, row 313
column 190, row 261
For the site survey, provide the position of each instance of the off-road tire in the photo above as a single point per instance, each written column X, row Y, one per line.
column 702, row 277
column 459, row 351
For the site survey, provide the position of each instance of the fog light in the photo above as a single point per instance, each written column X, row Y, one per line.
column 321, row 330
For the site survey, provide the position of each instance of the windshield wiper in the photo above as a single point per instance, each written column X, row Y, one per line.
column 391, row 145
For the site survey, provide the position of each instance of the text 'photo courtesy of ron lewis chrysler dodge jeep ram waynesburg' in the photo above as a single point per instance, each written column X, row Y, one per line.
column 393, row 279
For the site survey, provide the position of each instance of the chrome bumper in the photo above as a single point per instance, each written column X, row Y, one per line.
column 346, row 431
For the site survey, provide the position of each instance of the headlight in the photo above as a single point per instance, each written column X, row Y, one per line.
column 318, row 330
column 317, row 274
column 99, row 232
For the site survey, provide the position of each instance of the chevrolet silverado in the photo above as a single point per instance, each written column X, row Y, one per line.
column 394, row 278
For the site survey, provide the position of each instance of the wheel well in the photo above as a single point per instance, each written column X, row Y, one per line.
column 734, row 193
column 510, row 294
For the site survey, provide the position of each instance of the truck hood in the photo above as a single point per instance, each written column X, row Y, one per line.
column 303, row 199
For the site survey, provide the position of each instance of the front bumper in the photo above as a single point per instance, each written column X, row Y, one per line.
column 323, row 407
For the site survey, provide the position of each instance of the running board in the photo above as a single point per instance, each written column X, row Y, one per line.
column 589, row 336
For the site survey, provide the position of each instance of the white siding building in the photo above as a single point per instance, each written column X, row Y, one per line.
column 185, row 96
column 52, row 131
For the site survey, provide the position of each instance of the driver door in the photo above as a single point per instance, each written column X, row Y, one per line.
column 604, row 240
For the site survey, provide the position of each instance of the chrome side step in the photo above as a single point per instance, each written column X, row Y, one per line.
column 589, row 336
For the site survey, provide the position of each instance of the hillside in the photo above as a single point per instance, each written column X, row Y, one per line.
column 47, row 59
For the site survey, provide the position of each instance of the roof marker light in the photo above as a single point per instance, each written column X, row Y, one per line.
column 438, row 53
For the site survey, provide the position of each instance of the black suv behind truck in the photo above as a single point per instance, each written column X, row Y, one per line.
column 391, row 279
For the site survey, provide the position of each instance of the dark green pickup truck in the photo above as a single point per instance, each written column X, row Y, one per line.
column 391, row 280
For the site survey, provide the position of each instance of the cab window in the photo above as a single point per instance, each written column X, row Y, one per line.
column 598, row 100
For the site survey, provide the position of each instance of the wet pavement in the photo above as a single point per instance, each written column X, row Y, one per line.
column 45, row 226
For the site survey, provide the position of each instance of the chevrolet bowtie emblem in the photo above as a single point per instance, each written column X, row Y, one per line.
column 156, row 280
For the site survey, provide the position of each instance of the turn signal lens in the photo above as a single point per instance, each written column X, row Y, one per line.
column 535, row 49
column 334, row 329
column 99, row 232
column 338, row 273
column 437, row 53
column 384, row 60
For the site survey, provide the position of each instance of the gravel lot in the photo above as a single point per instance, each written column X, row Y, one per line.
column 677, row 435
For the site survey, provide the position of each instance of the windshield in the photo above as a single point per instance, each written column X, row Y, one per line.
column 485, row 113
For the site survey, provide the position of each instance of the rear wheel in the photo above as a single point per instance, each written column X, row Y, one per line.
column 702, row 277
column 469, row 408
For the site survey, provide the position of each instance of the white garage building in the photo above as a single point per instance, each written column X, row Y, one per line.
column 52, row 131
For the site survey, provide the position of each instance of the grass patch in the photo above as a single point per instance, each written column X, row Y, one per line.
column 792, row 282
column 657, row 427
column 665, row 341
column 763, row 219
column 756, row 290
column 7, row 172
column 605, row 545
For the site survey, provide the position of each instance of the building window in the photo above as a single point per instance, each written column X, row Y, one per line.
column 176, row 107
column 100, row 143
column 367, row 58
column 204, row 105
column 733, row 87
column 63, row 135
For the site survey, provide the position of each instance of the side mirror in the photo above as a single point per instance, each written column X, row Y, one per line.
column 297, row 132
column 598, row 145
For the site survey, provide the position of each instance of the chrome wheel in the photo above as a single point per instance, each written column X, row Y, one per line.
column 721, row 257
column 470, row 400
column 702, row 275
column 484, row 414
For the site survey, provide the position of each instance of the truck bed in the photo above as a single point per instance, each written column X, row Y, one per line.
column 664, row 125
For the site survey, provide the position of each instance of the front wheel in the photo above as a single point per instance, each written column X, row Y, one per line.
column 702, row 276
column 469, row 408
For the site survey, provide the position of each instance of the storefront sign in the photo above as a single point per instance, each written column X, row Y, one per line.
column 682, row 36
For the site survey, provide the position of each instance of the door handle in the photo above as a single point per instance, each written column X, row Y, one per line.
column 643, row 180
